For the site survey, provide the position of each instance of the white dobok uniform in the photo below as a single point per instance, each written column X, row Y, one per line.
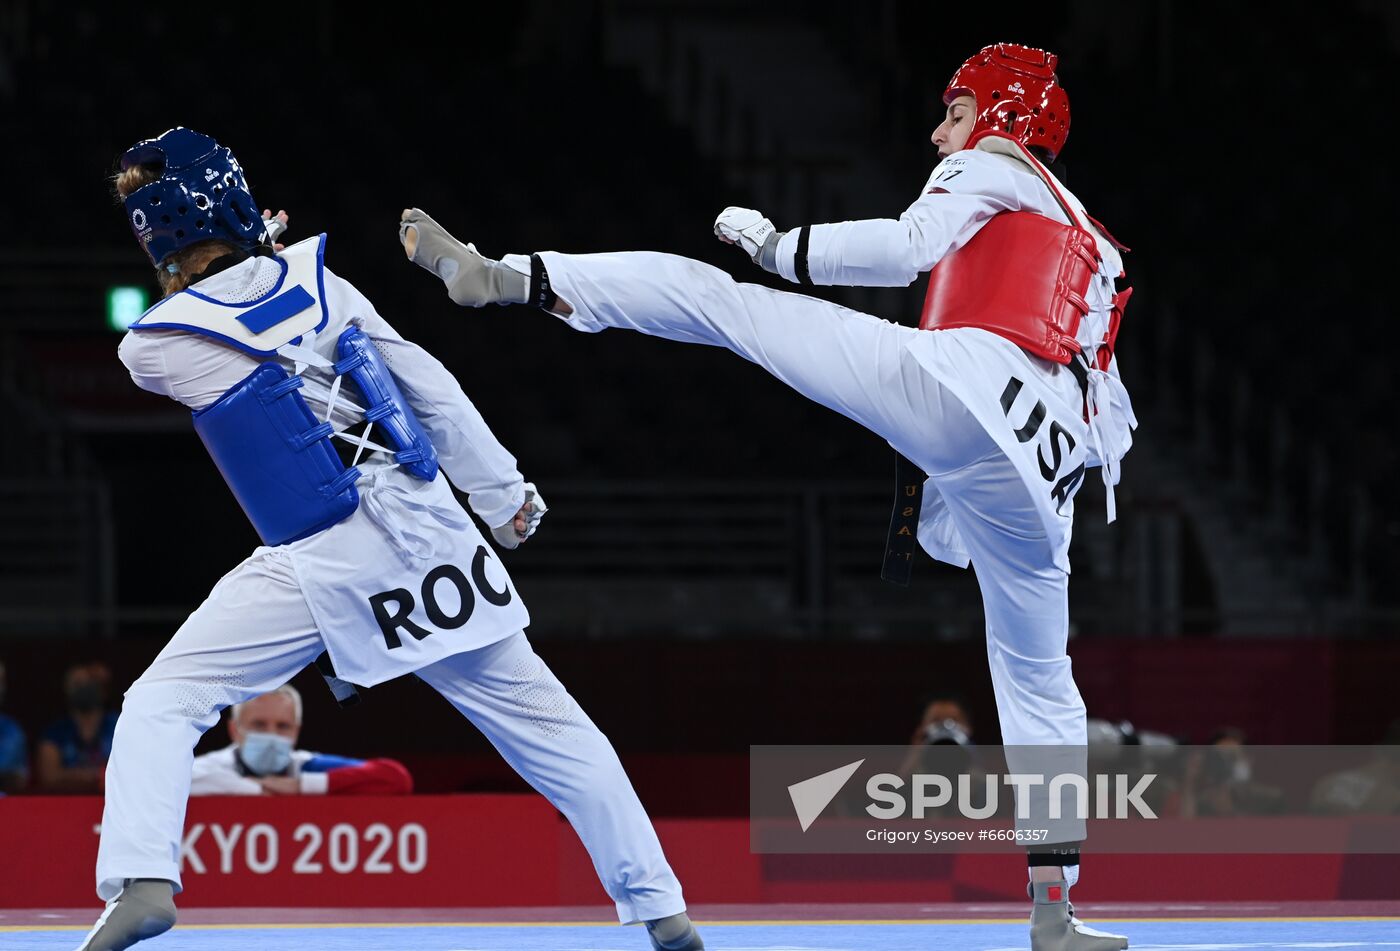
column 935, row 396
column 277, row 611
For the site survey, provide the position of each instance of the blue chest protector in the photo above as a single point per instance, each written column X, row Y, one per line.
column 276, row 456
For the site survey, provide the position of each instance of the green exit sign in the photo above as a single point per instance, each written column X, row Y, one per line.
column 124, row 305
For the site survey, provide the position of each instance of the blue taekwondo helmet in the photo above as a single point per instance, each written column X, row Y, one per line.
column 201, row 194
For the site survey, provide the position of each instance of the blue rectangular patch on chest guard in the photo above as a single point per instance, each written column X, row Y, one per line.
column 283, row 306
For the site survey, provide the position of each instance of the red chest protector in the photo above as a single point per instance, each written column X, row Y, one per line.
column 1024, row 277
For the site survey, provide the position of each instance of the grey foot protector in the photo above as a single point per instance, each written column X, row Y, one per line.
column 144, row 909
column 1054, row 928
column 472, row 280
column 675, row 933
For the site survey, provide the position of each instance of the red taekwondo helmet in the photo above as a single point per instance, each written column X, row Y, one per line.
column 1017, row 93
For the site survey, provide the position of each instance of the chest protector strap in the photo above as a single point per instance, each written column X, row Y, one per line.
column 277, row 458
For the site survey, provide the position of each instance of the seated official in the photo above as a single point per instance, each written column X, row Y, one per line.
column 264, row 760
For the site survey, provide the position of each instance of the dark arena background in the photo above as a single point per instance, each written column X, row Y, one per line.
column 707, row 578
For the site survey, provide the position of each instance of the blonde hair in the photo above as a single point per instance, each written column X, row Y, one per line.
column 190, row 260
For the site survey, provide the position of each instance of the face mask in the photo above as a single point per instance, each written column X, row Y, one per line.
column 265, row 754
column 85, row 697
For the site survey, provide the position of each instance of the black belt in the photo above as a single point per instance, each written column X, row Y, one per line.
column 909, row 499
column 1081, row 374
column 904, row 521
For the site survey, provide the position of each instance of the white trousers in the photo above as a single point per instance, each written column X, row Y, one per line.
column 254, row 632
column 861, row 367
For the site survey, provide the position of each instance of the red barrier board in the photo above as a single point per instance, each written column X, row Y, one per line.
column 420, row 851
column 493, row 851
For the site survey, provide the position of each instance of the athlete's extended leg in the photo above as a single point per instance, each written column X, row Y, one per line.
column 249, row 636
column 848, row 361
column 851, row 362
column 509, row 693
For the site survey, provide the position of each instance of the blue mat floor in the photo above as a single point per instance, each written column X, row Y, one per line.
column 1182, row 935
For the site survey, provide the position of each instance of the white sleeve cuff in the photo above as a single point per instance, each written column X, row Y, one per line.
column 787, row 252
column 496, row 507
column 315, row 784
column 517, row 262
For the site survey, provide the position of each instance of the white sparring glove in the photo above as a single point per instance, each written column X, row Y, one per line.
column 275, row 225
column 507, row 536
column 752, row 232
